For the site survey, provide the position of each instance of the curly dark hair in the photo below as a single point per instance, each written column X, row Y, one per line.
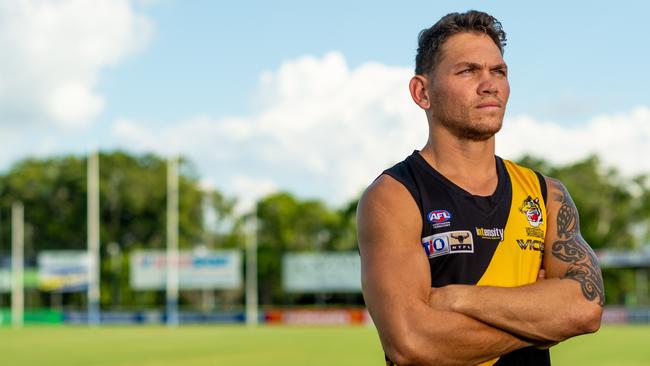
column 431, row 39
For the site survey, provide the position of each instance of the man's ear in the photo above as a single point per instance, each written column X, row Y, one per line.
column 419, row 88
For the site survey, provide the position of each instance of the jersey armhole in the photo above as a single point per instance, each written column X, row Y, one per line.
column 409, row 187
column 542, row 184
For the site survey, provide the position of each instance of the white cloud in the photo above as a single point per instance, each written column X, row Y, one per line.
column 53, row 52
column 621, row 140
column 321, row 129
column 249, row 190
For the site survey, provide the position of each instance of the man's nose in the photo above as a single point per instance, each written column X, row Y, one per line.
column 488, row 85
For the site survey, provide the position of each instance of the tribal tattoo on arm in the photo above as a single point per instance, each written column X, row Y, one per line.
column 571, row 248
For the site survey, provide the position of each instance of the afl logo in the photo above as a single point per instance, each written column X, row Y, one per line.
column 438, row 216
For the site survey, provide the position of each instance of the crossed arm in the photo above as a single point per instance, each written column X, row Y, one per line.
column 421, row 325
column 567, row 303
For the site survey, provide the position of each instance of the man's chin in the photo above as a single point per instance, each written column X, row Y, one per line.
column 476, row 134
column 480, row 131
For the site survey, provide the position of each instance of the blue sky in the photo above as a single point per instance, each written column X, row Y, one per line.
column 593, row 56
column 305, row 97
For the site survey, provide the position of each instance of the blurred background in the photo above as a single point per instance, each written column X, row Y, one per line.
column 236, row 139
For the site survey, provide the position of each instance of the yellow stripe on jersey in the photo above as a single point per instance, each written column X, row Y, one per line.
column 518, row 257
column 489, row 363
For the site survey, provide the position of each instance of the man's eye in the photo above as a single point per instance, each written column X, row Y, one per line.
column 466, row 71
column 501, row 72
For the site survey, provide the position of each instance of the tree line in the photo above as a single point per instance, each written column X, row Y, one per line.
column 614, row 212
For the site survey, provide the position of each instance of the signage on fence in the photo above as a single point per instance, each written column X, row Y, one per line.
column 623, row 259
column 321, row 272
column 63, row 270
column 318, row 316
column 30, row 277
column 196, row 270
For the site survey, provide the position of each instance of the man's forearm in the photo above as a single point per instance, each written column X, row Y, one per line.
column 548, row 311
column 450, row 338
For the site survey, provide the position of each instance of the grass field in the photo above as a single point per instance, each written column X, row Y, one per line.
column 286, row 346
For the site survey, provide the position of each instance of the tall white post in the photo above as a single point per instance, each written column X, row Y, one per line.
column 17, row 262
column 172, row 242
column 252, row 314
column 641, row 286
column 93, row 238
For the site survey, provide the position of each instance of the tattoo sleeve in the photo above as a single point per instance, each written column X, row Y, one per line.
column 571, row 248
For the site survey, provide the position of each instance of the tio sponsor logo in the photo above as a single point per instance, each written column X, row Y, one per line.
column 438, row 216
column 450, row 242
column 435, row 245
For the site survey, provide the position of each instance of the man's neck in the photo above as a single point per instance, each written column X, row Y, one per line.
column 468, row 164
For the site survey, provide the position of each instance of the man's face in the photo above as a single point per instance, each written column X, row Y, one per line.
column 469, row 87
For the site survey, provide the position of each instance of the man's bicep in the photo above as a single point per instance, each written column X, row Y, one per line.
column 566, row 253
column 395, row 272
column 395, row 275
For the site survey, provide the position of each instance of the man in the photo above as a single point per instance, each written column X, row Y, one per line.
column 467, row 258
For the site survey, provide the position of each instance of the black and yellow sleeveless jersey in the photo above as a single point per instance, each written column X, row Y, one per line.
column 486, row 241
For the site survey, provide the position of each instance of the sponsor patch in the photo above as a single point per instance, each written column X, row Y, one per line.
column 490, row 234
column 439, row 218
column 535, row 232
column 436, row 245
column 450, row 242
column 530, row 244
column 461, row 242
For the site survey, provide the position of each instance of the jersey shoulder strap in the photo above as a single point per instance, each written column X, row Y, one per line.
column 526, row 178
column 403, row 173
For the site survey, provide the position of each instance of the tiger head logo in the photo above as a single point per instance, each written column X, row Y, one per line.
column 532, row 210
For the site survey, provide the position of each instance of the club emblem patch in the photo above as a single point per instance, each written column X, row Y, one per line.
column 532, row 210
